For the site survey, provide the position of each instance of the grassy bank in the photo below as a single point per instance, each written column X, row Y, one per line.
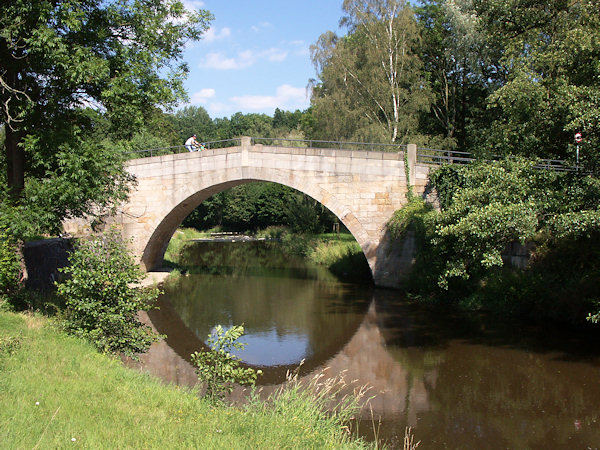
column 57, row 391
column 340, row 253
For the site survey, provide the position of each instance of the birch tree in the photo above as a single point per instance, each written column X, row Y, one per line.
column 371, row 84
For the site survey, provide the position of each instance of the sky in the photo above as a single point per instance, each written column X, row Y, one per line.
column 255, row 57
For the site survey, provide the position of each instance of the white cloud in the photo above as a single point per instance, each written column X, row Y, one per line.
column 220, row 62
column 193, row 5
column 213, row 34
column 261, row 26
column 286, row 97
column 202, row 96
column 243, row 60
column 274, row 54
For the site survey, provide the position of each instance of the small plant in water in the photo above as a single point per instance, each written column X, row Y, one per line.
column 218, row 368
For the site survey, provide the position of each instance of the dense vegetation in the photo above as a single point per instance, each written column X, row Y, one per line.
column 102, row 296
column 488, row 206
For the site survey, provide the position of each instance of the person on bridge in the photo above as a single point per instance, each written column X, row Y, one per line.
column 192, row 144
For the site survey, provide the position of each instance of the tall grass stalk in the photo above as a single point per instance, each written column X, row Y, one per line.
column 320, row 404
column 409, row 440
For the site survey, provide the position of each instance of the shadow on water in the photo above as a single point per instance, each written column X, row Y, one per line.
column 460, row 380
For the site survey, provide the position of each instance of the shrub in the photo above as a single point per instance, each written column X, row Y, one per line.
column 9, row 265
column 102, row 296
column 218, row 367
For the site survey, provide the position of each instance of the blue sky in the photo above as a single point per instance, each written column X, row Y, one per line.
column 255, row 57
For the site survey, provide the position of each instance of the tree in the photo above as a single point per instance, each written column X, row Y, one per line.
column 488, row 205
column 219, row 368
column 550, row 52
column 57, row 56
column 192, row 120
column 461, row 63
column 371, row 84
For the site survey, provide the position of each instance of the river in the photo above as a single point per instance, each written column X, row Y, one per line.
column 459, row 380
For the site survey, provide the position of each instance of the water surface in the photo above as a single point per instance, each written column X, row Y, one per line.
column 461, row 381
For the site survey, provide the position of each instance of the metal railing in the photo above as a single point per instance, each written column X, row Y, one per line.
column 333, row 145
column 209, row 145
column 425, row 155
column 557, row 165
column 439, row 157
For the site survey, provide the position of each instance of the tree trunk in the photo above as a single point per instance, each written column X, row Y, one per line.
column 15, row 163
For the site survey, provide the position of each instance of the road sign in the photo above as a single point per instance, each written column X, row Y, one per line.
column 578, row 138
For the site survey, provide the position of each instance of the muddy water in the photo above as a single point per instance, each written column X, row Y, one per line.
column 460, row 381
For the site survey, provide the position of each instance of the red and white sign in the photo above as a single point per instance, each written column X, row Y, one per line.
column 578, row 138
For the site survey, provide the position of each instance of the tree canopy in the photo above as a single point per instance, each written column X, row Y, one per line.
column 57, row 58
column 371, row 85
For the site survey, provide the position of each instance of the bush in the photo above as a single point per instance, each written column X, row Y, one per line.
column 9, row 265
column 103, row 296
column 218, row 367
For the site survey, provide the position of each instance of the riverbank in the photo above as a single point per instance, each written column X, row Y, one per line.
column 338, row 252
column 58, row 391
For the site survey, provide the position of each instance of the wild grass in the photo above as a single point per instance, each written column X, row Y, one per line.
column 339, row 252
column 179, row 240
column 328, row 252
column 326, row 401
column 57, row 391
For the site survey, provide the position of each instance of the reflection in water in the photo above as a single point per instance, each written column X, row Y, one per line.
column 290, row 311
column 460, row 382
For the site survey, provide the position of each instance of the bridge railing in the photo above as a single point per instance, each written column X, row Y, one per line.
column 439, row 157
column 334, row 145
column 424, row 155
column 557, row 165
column 208, row 145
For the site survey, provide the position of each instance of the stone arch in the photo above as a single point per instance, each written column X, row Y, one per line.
column 189, row 198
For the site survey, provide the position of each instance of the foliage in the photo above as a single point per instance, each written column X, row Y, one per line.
column 255, row 206
column 343, row 257
column 549, row 54
column 273, row 232
column 218, row 367
column 56, row 57
column 459, row 59
column 9, row 265
column 486, row 207
column 500, row 202
column 103, row 296
column 411, row 214
column 371, row 86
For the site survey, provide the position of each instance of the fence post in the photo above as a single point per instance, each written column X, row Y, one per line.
column 411, row 160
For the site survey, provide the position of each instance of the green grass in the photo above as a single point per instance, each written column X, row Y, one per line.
column 179, row 239
column 55, row 388
column 340, row 253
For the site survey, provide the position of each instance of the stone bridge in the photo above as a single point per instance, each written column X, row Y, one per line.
column 362, row 188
